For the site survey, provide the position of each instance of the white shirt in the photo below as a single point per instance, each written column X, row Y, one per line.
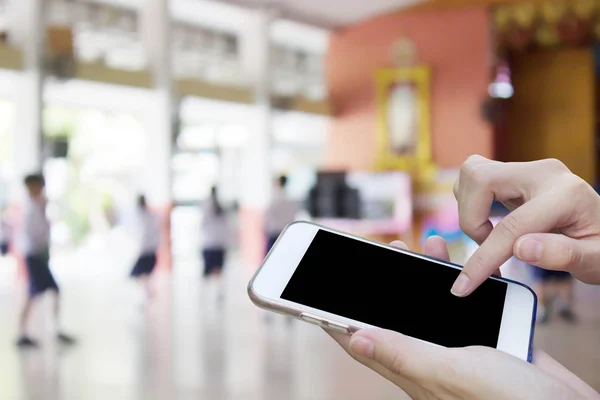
column 280, row 213
column 35, row 229
column 149, row 232
column 215, row 228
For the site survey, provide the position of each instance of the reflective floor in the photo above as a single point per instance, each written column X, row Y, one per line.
column 188, row 346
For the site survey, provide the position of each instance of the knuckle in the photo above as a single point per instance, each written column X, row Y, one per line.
column 469, row 166
column 577, row 196
column 554, row 164
column 474, row 159
column 509, row 227
column 477, row 174
column 396, row 365
column 576, row 186
column 477, row 262
column 574, row 257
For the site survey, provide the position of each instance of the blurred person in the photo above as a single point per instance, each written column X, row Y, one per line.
column 555, row 291
column 215, row 239
column 149, row 236
column 546, row 228
column 35, row 243
column 280, row 213
column 6, row 232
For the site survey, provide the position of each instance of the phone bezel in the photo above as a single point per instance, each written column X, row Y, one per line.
column 265, row 288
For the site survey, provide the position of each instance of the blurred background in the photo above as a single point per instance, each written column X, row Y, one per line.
column 367, row 107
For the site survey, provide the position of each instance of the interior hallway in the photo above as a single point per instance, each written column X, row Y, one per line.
column 182, row 347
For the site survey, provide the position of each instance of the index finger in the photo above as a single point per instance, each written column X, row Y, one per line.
column 535, row 216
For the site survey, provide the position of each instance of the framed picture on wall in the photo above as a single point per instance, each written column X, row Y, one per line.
column 403, row 109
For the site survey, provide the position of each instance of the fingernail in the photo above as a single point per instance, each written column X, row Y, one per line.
column 362, row 347
column 530, row 250
column 460, row 285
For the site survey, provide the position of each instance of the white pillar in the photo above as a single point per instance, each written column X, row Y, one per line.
column 155, row 31
column 255, row 52
column 26, row 31
column 255, row 190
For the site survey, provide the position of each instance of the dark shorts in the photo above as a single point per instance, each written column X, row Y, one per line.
column 271, row 239
column 213, row 260
column 3, row 248
column 144, row 265
column 544, row 275
column 40, row 276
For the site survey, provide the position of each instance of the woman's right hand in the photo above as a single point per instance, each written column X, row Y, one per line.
column 554, row 221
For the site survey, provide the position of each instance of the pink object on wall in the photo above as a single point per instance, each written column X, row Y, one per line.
column 455, row 44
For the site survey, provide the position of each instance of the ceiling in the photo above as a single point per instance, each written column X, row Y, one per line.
column 327, row 13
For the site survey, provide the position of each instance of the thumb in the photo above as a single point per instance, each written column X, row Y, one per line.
column 400, row 354
column 562, row 253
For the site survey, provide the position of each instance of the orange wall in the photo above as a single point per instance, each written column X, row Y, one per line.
column 456, row 44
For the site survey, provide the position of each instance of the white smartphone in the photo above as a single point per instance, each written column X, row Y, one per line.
column 345, row 283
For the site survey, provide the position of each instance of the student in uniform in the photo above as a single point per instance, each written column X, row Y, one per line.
column 215, row 236
column 35, row 243
column 555, row 291
column 280, row 213
column 149, row 237
column 5, row 233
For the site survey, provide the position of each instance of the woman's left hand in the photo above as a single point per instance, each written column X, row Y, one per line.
column 426, row 371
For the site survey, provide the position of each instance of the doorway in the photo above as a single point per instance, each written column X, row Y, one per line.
column 552, row 111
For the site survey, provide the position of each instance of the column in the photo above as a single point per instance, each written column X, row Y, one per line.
column 255, row 191
column 155, row 31
column 27, row 32
column 156, row 182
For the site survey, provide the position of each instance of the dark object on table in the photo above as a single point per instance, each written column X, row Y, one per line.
column 332, row 197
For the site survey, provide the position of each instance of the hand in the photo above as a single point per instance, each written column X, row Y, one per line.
column 554, row 221
column 426, row 371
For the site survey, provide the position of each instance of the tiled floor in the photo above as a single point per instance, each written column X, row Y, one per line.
column 577, row 347
column 186, row 347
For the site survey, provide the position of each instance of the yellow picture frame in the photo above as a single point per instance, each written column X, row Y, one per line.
column 418, row 164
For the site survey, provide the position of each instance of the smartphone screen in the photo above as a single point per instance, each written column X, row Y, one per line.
column 395, row 291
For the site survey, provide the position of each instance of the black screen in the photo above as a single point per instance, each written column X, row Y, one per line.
column 391, row 290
